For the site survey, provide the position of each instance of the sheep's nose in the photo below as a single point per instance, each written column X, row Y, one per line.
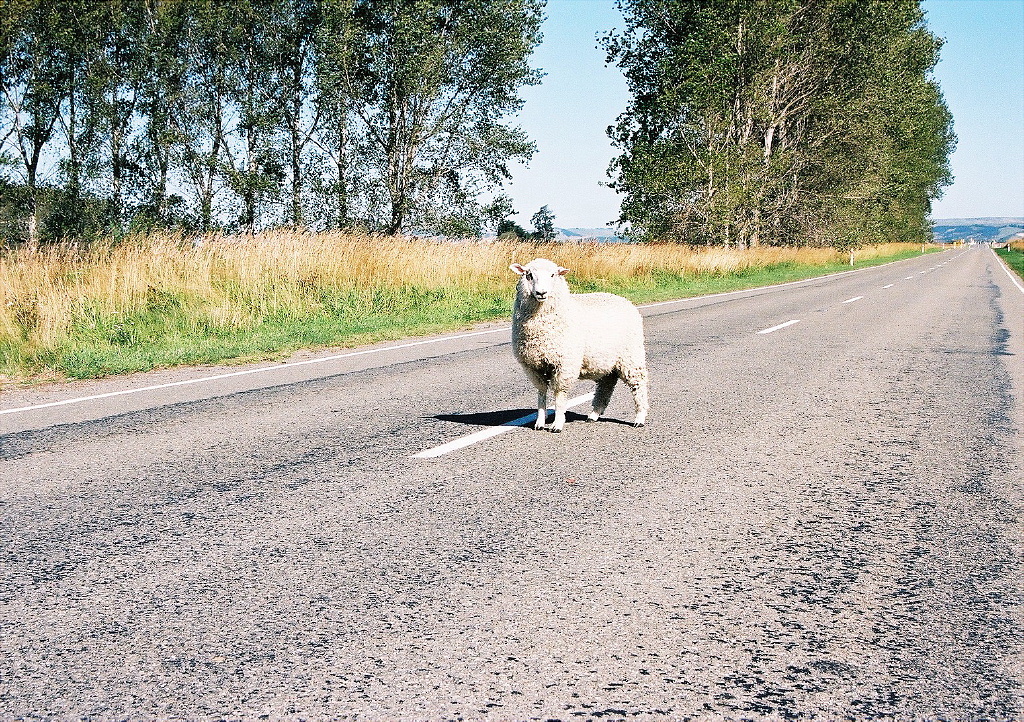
column 541, row 295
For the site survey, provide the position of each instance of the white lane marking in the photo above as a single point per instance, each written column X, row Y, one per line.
column 773, row 329
column 908, row 278
column 923, row 272
column 490, row 433
column 851, row 300
column 1009, row 273
column 245, row 372
column 503, row 329
column 889, row 286
column 777, row 285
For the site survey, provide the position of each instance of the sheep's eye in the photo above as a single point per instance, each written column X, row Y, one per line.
column 529, row 276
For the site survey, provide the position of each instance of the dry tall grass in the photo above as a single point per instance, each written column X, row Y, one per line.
column 159, row 300
column 230, row 279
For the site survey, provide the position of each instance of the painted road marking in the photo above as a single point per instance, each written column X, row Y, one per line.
column 908, row 278
column 851, row 300
column 781, row 325
column 249, row 371
column 1009, row 273
column 491, row 432
column 889, row 286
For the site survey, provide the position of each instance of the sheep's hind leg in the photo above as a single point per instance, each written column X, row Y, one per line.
column 602, row 395
column 636, row 379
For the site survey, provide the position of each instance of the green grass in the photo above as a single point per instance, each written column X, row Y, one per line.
column 171, row 335
column 173, row 329
column 1014, row 258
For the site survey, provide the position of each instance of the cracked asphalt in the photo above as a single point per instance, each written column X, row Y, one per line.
column 821, row 522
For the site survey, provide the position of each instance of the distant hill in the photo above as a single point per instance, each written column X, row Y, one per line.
column 978, row 229
column 597, row 234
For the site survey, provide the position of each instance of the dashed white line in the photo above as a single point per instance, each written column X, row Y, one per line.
column 491, row 432
column 908, row 278
column 889, row 286
column 781, row 325
column 851, row 300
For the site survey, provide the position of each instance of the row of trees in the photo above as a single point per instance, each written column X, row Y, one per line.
column 779, row 121
column 390, row 115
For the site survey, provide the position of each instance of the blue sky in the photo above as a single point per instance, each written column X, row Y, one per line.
column 981, row 74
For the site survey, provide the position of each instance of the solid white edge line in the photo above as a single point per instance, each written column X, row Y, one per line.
column 781, row 325
column 262, row 369
column 491, row 432
column 851, row 300
column 1011, row 274
column 246, row 372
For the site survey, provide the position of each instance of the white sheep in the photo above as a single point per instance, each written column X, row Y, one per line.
column 560, row 337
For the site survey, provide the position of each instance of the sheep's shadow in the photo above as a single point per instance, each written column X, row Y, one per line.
column 500, row 418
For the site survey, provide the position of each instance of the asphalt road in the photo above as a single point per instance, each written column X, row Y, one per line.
column 823, row 521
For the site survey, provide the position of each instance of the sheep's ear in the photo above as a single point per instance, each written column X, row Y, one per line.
column 562, row 271
column 517, row 268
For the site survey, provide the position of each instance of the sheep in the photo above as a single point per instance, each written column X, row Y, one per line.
column 560, row 337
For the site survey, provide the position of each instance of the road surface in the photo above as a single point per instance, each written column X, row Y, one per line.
column 822, row 519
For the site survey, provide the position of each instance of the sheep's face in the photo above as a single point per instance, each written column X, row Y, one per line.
column 540, row 278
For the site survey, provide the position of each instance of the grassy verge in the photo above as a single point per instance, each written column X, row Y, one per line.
column 1013, row 255
column 155, row 302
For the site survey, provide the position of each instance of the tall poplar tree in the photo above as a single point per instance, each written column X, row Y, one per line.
column 436, row 83
column 391, row 115
column 778, row 122
column 32, row 76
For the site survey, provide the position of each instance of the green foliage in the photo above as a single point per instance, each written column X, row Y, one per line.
column 779, row 122
column 543, row 224
column 245, row 114
column 510, row 230
column 1014, row 258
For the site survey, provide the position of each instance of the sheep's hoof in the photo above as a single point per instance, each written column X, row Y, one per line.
column 639, row 425
column 591, row 418
column 555, row 431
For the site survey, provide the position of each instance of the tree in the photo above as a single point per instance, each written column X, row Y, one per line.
column 31, row 74
column 338, row 136
column 509, row 230
column 163, row 69
column 252, row 161
column 770, row 122
column 206, row 114
column 435, row 82
column 543, row 224
column 296, row 30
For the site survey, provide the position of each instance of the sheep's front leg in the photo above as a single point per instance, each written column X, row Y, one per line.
column 542, row 409
column 561, row 400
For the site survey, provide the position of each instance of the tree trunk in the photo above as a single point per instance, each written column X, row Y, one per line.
column 296, row 143
column 342, row 189
column 33, row 223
